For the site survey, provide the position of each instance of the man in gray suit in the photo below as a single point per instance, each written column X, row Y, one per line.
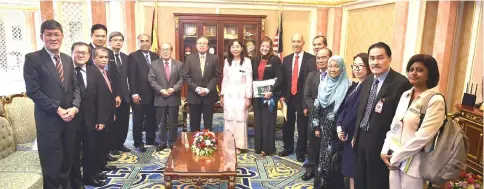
column 201, row 70
column 50, row 82
column 166, row 80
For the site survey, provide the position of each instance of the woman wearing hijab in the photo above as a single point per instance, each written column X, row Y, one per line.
column 322, row 121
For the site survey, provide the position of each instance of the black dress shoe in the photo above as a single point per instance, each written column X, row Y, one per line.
column 101, row 176
column 111, row 158
column 153, row 143
column 140, row 148
column 109, row 168
column 114, row 152
column 160, row 148
column 307, row 176
column 300, row 158
column 96, row 183
column 285, row 153
column 124, row 149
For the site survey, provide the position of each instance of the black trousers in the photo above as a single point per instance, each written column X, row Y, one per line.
column 371, row 172
column 144, row 115
column 196, row 111
column 76, row 176
column 55, row 155
column 121, row 124
column 313, row 152
column 265, row 127
column 94, row 153
column 293, row 106
column 167, row 114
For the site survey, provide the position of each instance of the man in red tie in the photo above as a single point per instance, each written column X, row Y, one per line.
column 293, row 67
column 166, row 80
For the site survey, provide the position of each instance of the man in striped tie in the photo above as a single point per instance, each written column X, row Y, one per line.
column 51, row 83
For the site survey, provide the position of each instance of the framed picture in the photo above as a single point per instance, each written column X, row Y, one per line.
column 210, row 31
column 212, row 50
column 190, row 30
column 230, row 32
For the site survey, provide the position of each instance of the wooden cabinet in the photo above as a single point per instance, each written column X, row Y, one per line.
column 220, row 29
column 470, row 119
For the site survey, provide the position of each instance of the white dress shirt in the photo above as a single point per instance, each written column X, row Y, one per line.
column 52, row 57
column 83, row 73
column 381, row 79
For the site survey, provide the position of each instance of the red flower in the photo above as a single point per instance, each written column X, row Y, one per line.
column 202, row 145
column 470, row 180
column 463, row 174
column 211, row 135
column 205, row 130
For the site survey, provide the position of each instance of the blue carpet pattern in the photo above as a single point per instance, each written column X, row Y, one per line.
column 145, row 170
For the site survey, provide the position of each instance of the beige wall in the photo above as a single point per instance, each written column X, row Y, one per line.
column 430, row 22
column 462, row 58
column 478, row 68
column 367, row 26
column 293, row 21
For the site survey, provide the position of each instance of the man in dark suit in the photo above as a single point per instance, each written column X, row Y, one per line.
column 51, row 84
column 310, row 93
column 88, row 81
column 142, row 93
column 201, row 71
column 319, row 42
column 379, row 98
column 119, row 73
column 166, row 80
column 294, row 66
column 99, row 38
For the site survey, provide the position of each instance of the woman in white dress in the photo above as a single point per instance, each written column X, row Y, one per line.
column 236, row 93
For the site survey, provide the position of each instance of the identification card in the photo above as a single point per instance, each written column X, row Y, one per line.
column 396, row 129
column 379, row 107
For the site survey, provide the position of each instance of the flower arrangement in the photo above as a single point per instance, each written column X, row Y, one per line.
column 467, row 181
column 204, row 143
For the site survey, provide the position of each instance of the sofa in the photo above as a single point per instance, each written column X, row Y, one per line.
column 19, row 164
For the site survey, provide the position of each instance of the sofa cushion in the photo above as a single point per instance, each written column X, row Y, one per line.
column 21, row 180
column 21, row 161
column 7, row 143
column 20, row 113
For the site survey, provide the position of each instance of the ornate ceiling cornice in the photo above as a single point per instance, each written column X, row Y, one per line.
column 299, row 2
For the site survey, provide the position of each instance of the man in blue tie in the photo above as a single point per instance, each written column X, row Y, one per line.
column 310, row 93
column 141, row 93
column 379, row 98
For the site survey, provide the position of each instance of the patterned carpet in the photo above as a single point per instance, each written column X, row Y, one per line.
column 145, row 170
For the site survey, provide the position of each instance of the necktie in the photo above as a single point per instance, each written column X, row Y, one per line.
column 105, row 74
column 202, row 63
column 59, row 68
column 295, row 73
column 369, row 106
column 80, row 79
column 148, row 61
column 118, row 60
column 323, row 75
column 167, row 71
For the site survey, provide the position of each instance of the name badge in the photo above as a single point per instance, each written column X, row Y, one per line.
column 379, row 107
column 268, row 66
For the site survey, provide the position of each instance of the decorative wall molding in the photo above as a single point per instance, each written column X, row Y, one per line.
column 24, row 5
column 321, row 3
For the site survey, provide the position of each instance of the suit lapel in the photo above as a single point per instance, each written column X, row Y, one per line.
column 67, row 73
column 204, row 65
column 172, row 68
column 51, row 66
column 386, row 84
column 161, row 64
column 365, row 92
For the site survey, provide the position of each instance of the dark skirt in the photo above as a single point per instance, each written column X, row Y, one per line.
column 348, row 162
column 265, row 127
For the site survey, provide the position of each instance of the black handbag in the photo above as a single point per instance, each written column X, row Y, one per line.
column 336, row 162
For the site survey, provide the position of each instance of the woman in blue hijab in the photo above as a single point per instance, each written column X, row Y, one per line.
column 322, row 121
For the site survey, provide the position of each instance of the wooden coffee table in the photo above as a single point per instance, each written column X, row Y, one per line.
column 184, row 166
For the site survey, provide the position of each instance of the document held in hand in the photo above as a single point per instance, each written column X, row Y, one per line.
column 262, row 86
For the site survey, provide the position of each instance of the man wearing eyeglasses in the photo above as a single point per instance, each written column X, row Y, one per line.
column 166, row 80
column 141, row 93
column 51, row 84
column 201, row 71
column 119, row 73
column 310, row 93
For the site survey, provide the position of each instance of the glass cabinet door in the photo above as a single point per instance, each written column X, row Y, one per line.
column 250, row 39
column 230, row 34
column 190, row 35
column 210, row 31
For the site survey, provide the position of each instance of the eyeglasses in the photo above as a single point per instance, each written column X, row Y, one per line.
column 357, row 67
column 202, row 44
column 165, row 50
column 117, row 40
column 81, row 53
column 49, row 36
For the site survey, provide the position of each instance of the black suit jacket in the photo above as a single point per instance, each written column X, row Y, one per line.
column 391, row 91
column 44, row 87
column 287, row 72
column 138, row 75
column 192, row 74
column 92, row 99
column 273, row 69
column 311, row 89
column 119, row 76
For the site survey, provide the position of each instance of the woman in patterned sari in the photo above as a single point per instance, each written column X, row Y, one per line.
column 322, row 121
